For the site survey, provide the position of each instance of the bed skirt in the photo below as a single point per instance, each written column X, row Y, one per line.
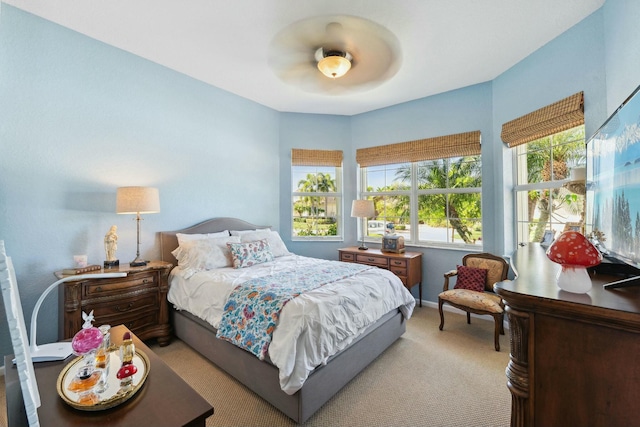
column 262, row 377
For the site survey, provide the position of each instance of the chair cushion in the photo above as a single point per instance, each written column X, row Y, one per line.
column 471, row 278
column 485, row 301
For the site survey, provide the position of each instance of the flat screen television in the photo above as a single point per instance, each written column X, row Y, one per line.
column 613, row 192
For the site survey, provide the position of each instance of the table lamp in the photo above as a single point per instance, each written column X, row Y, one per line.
column 137, row 200
column 363, row 209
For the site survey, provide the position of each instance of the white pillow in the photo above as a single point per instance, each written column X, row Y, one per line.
column 278, row 248
column 188, row 237
column 241, row 232
column 204, row 254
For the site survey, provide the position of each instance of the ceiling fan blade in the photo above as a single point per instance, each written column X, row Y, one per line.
column 375, row 52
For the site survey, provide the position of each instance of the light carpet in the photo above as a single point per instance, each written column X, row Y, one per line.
column 427, row 378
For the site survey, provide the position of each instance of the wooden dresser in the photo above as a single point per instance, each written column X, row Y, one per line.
column 407, row 266
column 573, row 356
column 138, row 301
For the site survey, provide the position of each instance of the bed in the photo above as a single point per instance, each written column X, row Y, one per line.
column 302, row 399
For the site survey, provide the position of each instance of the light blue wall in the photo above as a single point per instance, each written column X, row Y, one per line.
column 622, row 50
column 568, row 64
column 462, row 110
column 315, row 131
column 79, row 119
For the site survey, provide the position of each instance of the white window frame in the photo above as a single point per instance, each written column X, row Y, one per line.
column 520, row 191
column 413, row 194
column 338, row 195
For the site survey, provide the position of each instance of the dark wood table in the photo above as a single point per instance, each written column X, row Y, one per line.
column 165, row 399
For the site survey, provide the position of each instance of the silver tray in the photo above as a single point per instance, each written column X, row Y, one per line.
column 112, row 395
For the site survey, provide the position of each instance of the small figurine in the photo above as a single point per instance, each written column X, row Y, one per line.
column 110, row 247
column 128, row 369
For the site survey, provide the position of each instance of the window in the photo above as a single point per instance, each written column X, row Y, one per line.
column 316, row 178
column 549, row 148
column 545, row 198
column 433, row 198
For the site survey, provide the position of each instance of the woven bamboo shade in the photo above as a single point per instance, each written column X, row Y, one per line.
column 300, row 157
column 562, row 115
column 441, row 147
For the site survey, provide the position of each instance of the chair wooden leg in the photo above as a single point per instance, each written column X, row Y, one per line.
column 496, row 334
column 468, row 318
column 502, row 324
column 440, row 303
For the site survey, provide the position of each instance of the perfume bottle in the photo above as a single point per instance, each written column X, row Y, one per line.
column 84, row 344
column 128, row 369
column 103, row 358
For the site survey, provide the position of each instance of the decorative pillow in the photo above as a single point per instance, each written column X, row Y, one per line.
column 471, row 278
column 204, row 254
column 278, row 248
column 250, row 253
column 182, row 237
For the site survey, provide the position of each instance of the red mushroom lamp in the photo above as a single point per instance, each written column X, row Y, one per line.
column 575, row 253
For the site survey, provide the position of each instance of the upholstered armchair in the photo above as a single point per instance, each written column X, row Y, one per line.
column 473, row 291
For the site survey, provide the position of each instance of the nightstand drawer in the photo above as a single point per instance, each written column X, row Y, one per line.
column 347, row 257
column 133, row 283
column 133, row 322
column 124, row 306
column 372, row 260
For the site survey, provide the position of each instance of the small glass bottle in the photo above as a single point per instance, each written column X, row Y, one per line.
column 103, row 358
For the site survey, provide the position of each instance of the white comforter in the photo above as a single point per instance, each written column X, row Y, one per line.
column 312, row 327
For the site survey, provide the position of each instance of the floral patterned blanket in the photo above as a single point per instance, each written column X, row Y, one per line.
column 253, row 309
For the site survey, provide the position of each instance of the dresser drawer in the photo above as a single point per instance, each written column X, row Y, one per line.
column 347, row 257
column 372, row 260
column 136, row 305
column 133, row 283
column 397, row 263
column 401, row 272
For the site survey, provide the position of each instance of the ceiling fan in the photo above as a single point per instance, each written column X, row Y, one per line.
column 357, row 54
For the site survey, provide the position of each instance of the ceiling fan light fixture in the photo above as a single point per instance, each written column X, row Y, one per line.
column 334, row 64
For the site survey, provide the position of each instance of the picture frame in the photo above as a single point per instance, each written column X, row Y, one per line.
column 547, row 238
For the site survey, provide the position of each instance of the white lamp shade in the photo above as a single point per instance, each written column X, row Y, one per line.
column 362, row 209
column 134, row 200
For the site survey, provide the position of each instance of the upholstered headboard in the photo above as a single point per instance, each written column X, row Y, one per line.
column 169, row 240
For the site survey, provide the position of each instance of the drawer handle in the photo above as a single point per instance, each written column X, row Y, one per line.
column 145, row 281
column 371, row 259
column 99, row 289
column 128, row 307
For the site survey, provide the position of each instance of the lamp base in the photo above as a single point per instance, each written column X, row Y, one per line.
column 138, row 263
column 50, row 352
column 363, row 248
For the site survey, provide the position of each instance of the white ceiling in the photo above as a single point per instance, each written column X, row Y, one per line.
column 445, row 44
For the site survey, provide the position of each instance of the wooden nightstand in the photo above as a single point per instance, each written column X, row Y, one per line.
column 138, row 301
column 407, row 266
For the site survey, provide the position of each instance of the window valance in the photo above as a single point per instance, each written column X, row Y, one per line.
column 301, row 157
column 441, row 147
column 562, row 115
